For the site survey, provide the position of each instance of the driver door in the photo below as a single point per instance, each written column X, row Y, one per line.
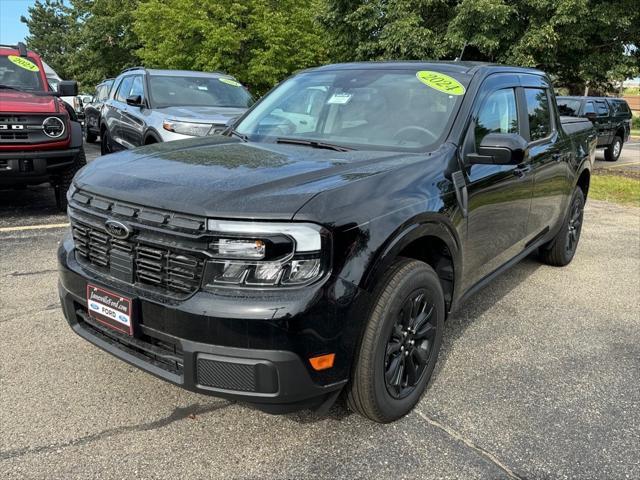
column 499, row 196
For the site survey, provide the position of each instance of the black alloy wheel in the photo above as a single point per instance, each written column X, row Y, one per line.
column 410, row 345
column 575, row 225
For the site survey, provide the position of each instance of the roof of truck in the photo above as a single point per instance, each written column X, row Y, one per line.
column 450, row 65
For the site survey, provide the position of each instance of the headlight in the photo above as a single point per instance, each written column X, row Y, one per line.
column 247, row 254
column 187, row 128
column 53, row 127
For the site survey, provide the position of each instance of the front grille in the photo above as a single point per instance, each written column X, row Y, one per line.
column 26, row 129
column 154, row 217
column 4, row 135
column 160, row 267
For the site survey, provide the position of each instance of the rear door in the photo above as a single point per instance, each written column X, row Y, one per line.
column 118, row 105
column 549, row 155
column 132, row 120
column 499, row 195
column 603, row 123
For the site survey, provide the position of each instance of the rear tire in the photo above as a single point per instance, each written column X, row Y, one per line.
column 400, row 343
column 561, row 250
column 63, row 181
column 612, row 152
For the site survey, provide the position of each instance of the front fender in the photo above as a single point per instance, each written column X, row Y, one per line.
column 440, row 228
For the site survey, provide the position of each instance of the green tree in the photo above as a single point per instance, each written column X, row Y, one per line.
column 579, row 42
column 108, row 43
column 84, row 40
column 52, row 33
column 258, row 41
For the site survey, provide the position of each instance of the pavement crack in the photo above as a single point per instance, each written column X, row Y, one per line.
column 479, row 450
column 24, row 274
column 179, row 413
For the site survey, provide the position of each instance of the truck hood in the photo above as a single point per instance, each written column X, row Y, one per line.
column 218, row 115
column 223, row 177
column 15, row 101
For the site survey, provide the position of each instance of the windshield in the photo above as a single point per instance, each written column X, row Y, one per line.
column 369, row 109
column 568, row 106
column 20, row 72
column 172, row 91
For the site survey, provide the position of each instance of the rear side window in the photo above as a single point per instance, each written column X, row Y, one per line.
column 124, row 89
column 603, row 110
column 498, row 114
column 619, row 107
column 539, row 113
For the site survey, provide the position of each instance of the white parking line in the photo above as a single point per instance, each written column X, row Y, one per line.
column 34, row 227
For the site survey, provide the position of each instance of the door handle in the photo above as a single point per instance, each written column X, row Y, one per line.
column 557, row 157
column 521, row 171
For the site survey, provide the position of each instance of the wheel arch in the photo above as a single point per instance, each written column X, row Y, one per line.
column 151, row 136
column 584, row 181
column 433, row 242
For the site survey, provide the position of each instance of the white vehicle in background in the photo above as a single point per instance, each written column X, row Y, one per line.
column 54, row 79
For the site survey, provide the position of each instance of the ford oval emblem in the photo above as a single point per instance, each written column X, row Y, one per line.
column 117, row 229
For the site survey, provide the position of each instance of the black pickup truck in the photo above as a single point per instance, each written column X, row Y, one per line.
column 319, row 245
column 610, row 116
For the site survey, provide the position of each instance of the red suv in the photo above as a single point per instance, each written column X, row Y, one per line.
column 40, row 136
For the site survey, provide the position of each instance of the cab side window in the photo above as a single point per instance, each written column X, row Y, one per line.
column 498, row 114
column 589, row 108
column 539, row 113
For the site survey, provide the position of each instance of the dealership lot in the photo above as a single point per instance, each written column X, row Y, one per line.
column 538, row 378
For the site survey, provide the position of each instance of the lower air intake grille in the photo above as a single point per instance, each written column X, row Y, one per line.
column 227, row 375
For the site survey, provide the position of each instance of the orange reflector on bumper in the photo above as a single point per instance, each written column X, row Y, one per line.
column 322, row 362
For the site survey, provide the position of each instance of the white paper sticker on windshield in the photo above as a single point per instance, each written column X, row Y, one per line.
column 339, row 98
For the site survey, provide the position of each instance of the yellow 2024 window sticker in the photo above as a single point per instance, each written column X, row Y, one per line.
column 441, row 82
column 23, row 63
column 230, row 81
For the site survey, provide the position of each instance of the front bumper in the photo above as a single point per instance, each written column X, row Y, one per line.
column 228, row 347
column 33, row 167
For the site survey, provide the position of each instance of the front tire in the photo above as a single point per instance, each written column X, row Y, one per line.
column 89, row 137
column 64, row 180
column 561, row 250
column 400, row 343
column 612, row 152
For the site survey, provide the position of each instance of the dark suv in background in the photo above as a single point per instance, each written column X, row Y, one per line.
column 149, row 106
column 610, row 116
column 93, row 110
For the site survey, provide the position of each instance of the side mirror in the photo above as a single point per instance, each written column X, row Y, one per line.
column 499, row 149
column 67, row 88
column 590, row 115
column 134, row 100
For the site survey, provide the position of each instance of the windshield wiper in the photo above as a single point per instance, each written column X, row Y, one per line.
column 313, row 144
column 9, row 87
column 234, row 133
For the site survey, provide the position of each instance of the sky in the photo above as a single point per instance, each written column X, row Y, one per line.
column 12, row 30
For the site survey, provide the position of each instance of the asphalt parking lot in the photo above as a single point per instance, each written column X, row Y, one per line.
column 539, row 377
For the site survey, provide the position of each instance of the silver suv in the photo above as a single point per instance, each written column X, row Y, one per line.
column 149, row 106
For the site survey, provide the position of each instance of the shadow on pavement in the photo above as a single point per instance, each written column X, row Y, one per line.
column 38, row 201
